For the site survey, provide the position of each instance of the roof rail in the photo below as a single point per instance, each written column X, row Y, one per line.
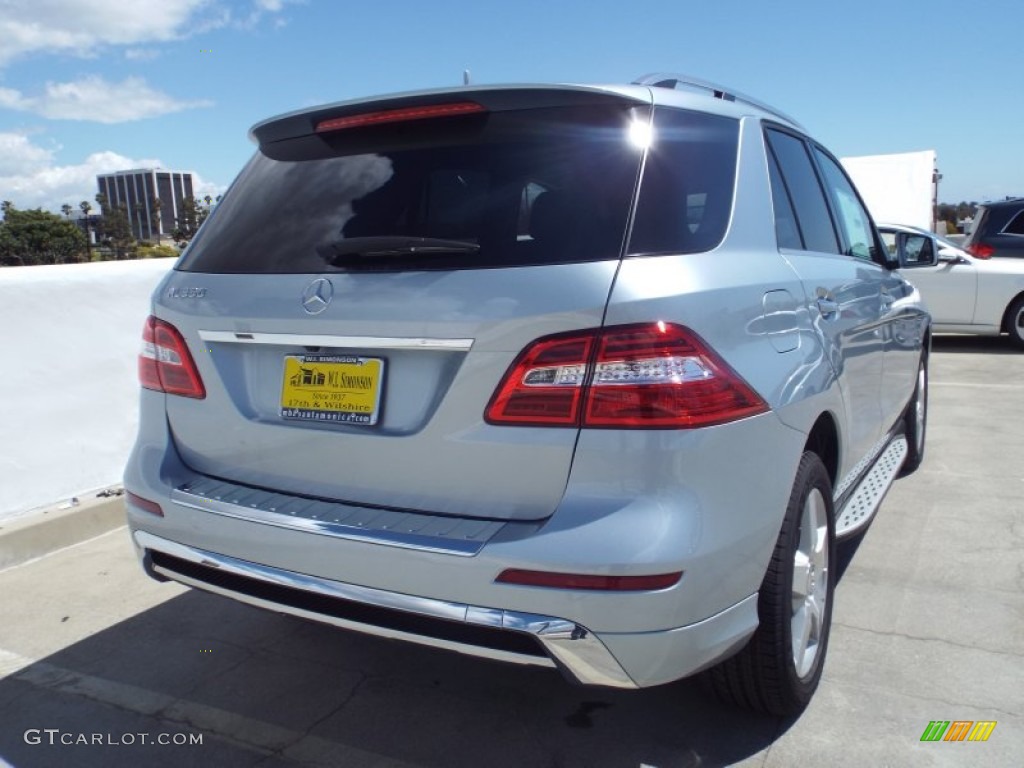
column 686, row 82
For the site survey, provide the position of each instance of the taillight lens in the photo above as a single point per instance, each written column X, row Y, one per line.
column 544, row 386
column 980, row 250
column 165, row 364
column 653, row 375
column 399, row 115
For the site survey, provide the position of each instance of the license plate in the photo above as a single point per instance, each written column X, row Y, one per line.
column 332, row 388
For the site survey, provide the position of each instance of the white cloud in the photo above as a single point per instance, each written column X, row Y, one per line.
column 29, row 179
column 141, row 54
column 81, row 27
column 75, row 26
column 18, row 155
column 97, row 100
column 260, row 8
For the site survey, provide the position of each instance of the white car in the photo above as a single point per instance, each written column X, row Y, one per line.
column 964, row 294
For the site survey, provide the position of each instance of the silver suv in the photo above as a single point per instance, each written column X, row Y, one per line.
column 589, row 378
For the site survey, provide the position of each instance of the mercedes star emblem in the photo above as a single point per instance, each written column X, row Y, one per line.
column 317, row 296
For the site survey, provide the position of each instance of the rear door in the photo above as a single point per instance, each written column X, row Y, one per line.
column 843, row 292
column 358, row 295
column 901, row 320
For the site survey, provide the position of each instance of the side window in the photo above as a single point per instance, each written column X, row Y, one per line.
column 808, row 199
column 854, row 220
column 889, row 240
column 787, row 233
column 1016, row 225
column 686, row 192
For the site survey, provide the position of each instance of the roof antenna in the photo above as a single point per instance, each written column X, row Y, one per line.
column 465, row 77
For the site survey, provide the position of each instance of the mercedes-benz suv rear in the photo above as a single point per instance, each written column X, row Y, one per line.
column 527, row 372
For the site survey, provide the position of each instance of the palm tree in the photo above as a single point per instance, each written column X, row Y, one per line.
column 86, row 207
column 66, row 210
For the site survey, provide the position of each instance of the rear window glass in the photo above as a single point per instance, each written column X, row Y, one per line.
column 686, row 196
column 510, row 188
column 1016, row 225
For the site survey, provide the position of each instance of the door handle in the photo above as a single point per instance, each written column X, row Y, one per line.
column 828, row 308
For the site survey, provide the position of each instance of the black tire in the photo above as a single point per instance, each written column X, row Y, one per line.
column 764, row 676
column 1015, row 322
column 915, row 420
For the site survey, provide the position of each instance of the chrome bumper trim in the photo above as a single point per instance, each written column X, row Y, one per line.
column 571, row 647
column 338, row 342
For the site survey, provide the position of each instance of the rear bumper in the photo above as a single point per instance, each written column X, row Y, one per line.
column 637, row 503
column 619, row 660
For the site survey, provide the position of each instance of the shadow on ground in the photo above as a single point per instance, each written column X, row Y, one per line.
column 985, row 345
column 268, row 690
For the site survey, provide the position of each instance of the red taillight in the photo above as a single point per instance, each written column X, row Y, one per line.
column 588, row 581
column 980, row 250
column 144, row 504
column 399, row 115
column 165, row 364
column 544, row 386
column 654, row 375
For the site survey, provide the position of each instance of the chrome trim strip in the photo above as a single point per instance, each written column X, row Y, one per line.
column 573, row 648
column 337, row 342
column 344, row 521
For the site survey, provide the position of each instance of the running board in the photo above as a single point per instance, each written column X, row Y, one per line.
column 863, row 504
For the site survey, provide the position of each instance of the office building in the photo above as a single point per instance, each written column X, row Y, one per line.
column 138, row 189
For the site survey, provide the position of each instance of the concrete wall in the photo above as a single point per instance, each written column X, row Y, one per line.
column 69, row 340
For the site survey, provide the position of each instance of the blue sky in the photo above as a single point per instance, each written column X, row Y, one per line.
column 91, row 87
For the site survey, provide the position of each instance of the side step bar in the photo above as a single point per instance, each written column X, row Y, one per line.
column 861, row 507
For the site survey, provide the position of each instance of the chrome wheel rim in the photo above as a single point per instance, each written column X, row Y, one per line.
column 920, row 409
column 1018, row 324
column 810, row 583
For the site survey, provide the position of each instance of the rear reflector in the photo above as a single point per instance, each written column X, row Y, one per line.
column 399, row 115
column 980, row 250
column 165, row 364
column 144, row 504
column 651, row 375
column 589, row 581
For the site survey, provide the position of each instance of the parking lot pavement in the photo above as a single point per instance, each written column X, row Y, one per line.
column 928, row 625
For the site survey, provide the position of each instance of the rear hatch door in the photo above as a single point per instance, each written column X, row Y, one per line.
column 357, row 296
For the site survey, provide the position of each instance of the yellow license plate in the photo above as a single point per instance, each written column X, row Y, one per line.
column 332, row 388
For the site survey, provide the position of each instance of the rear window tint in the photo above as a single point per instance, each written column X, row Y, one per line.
column 1016, row 225
column 512, row 188
column 537, row 186
column 806, row 194
column 686, row 195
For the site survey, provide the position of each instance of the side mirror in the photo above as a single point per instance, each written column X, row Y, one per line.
column 918, row 251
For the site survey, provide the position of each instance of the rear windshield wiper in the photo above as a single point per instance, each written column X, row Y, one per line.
column 355, row 250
